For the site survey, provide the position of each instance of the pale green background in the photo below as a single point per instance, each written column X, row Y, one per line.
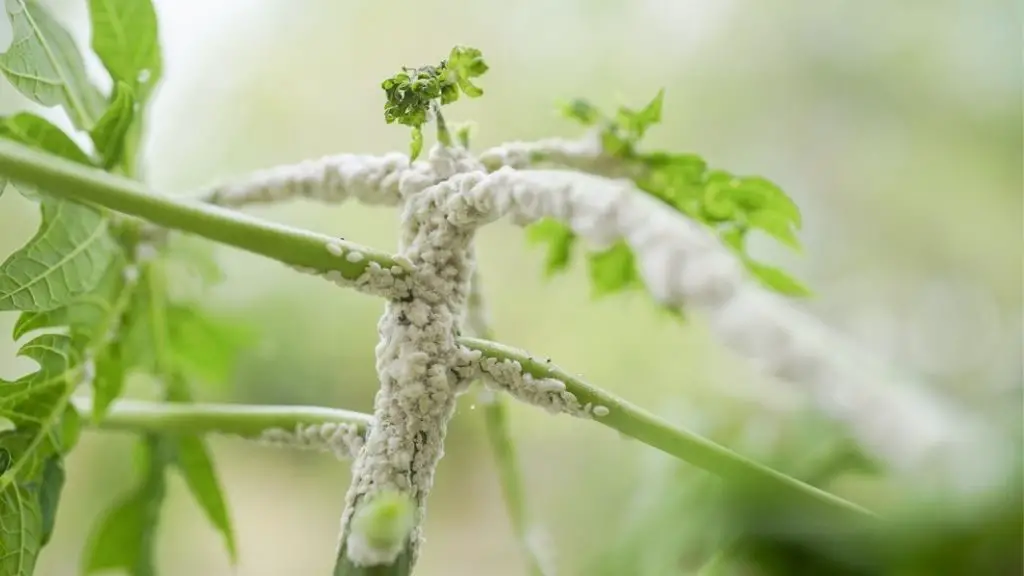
column 895, row 125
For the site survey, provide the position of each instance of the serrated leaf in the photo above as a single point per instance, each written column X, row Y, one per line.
column 86, row 316
column 777, row 280
column 612, row 270
column 559, row 239
column 44, row 64
column 125, row 538
column 32, row 400
column 196, row 466
column 109, row 133
column 125, row 36
column 33, row 474
column 66, row 258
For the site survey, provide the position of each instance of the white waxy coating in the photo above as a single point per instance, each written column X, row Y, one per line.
column 682, row 263
column 335, row 249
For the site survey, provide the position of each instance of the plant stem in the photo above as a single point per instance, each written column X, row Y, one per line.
column 637, row 423
column 248, row 421
column 499, row 437
column 72, row 181
column 66, row 179
column 443, row 135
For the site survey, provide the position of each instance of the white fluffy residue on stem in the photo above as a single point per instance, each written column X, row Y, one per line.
column 371, row 180
column 419, row 366
column 342, row 440
column 682, row 263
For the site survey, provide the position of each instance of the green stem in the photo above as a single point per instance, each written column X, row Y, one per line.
column 247, row 421
column 66, row 179
column 69, row 180
column 443, row 135
column 499, row 437
column 637, row 423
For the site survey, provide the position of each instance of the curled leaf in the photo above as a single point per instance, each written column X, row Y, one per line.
column 112, row 128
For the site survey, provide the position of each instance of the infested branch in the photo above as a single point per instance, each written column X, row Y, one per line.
column 682, row 263
column 299, row 427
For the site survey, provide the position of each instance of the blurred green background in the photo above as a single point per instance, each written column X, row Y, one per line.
column 895, row 126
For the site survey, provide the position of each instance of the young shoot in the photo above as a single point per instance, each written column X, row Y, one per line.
column 415, row 95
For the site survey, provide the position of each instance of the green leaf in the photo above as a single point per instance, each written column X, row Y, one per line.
column 613, row 270
column 203, row 346
column 66, row 258
column 581, row 111
column 637, row 123
column 22, row 526
column 87, row 316
column 70, row 428
column 125, row 538
column 777, row 280
column 33, row 474
column 196, row 466
column 734, row 238
column 44, row 64
column 728, row 205
column 560, row 240
column 39, row 133
column 109, row 381
column 34, row 399
column 125, row 36
column 776, row 225
column 463, row 133
column 150, row 339
column 414, row 93
column 89, row 319
column 467, row 63
column 613, row 143
column 755, row 194
column 51, row 486
column 111, row 130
